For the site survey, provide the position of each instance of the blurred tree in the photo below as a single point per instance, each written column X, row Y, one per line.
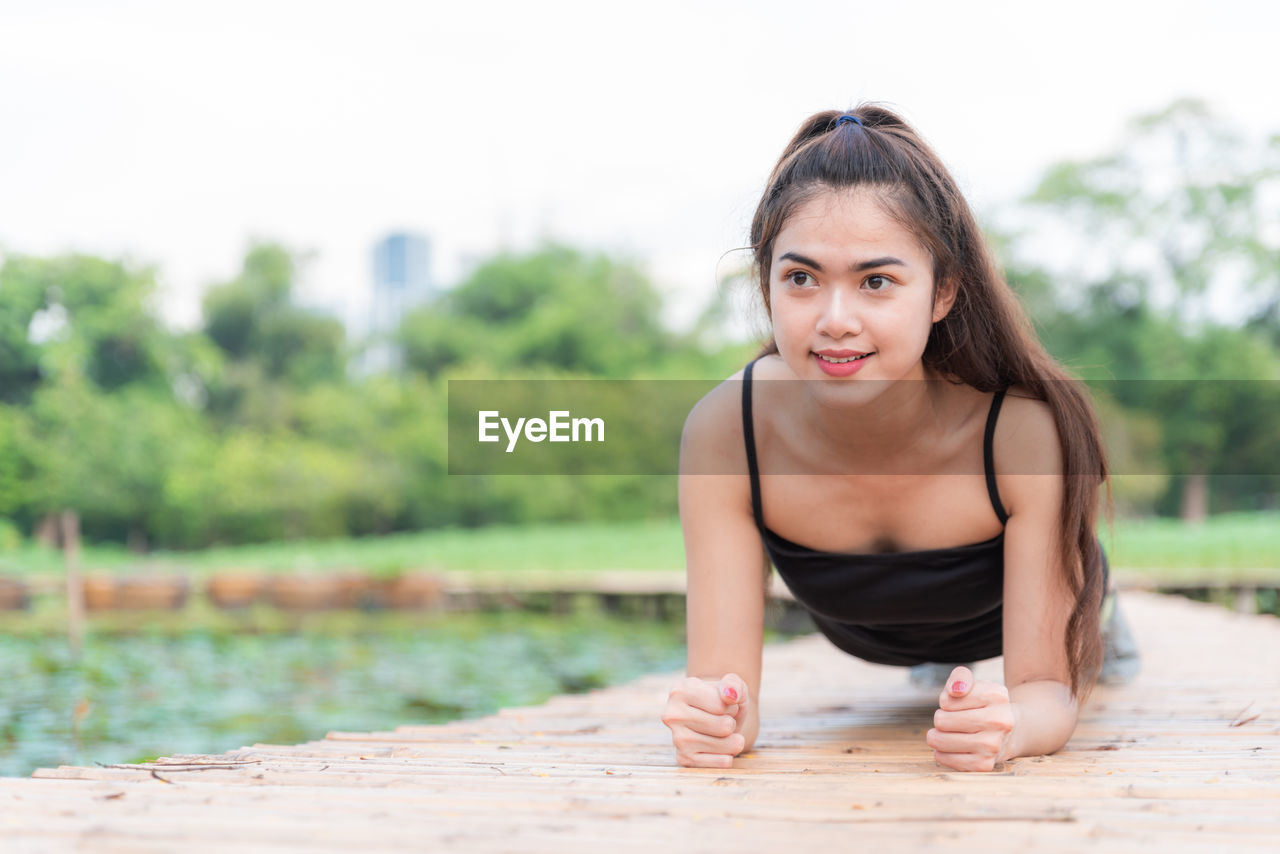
column 434, row 340
column 98, row 313
column 264, row 335
column 13, row 476
column 107, row 456
column 1209, row 392
column 84, row 355
column 1176, row 218
column 1179, row 211
column 554, row 308
column 21, row 299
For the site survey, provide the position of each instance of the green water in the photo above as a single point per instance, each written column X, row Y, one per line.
column 133, row 697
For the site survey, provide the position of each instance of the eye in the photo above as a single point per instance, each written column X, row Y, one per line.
column 885, row 282
column 799, row 278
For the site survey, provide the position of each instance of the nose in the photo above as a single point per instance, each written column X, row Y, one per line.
column 840, row 316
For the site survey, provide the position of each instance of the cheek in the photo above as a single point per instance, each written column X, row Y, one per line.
column 924, row 315
column 785, row 319
column 900, row 331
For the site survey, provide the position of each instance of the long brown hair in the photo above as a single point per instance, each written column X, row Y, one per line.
column 985, row 341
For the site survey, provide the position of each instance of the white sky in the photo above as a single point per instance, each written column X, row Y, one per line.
column 171, row 133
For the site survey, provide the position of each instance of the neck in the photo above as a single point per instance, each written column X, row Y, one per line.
column 876, row 426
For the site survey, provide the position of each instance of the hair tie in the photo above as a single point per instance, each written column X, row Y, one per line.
column 847, row 118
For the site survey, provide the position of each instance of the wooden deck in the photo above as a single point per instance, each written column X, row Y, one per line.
column 1187, row 758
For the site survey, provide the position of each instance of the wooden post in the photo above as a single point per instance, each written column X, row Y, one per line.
column 70, row 531
column 1195, row 499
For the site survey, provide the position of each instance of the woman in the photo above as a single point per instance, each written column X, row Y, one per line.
column 921, row 472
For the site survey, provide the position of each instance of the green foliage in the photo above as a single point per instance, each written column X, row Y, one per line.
column 99, row 318
column 1203, row 399
column 254, row 321
column 106, row 455
column 1177, row 210
column 556, row 308
column 1181, row 203
column 249, row 428
column 13, row 476
column 10, row 536
column 20, row 300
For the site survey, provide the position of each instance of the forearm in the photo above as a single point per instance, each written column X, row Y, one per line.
column 1044, row 717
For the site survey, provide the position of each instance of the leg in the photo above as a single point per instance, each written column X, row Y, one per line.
column 1120, row 659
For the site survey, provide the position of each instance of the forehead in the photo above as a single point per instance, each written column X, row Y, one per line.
column 847, row 222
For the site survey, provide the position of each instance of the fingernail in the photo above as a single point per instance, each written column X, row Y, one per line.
column 731, row 693
column 959, row 687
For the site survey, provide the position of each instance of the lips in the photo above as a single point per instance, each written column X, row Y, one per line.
column 841, row 366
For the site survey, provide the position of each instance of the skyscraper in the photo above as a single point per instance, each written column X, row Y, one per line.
column 401, row 282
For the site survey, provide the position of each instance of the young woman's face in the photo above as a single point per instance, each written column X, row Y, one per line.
column 847, row 279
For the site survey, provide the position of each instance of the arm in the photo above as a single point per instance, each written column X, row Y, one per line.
column 724, row 556
column 1033, row 712
column 724, row 560
column 1037, row 603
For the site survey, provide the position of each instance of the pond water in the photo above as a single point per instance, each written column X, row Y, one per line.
column 132, row 697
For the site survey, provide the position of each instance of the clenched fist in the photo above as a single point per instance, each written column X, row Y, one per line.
column 706, row 718
column 973, row 723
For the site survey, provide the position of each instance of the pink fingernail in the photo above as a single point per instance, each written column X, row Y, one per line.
column 731, row 693
column 959, row 687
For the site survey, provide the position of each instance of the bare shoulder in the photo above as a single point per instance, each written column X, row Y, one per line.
column 1027, row 443
column 712, row 441
column 1026, row 438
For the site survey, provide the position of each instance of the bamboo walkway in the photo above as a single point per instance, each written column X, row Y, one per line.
column 1187, row 758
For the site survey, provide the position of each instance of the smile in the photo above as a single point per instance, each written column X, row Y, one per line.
column 845, row 365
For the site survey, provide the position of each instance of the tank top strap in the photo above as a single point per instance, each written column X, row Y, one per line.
column 749, row 436
column 988, row 456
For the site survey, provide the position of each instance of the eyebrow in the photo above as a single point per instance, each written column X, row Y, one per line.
column 886, row 261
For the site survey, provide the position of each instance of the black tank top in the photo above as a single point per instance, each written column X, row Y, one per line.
column 938, row 605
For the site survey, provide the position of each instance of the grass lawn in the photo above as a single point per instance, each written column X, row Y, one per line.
column 1230, row 547
column 597, row 545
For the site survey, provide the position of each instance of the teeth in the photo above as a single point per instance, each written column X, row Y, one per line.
column 841, row 361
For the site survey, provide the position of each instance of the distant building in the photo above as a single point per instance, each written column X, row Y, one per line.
column 401, row 283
